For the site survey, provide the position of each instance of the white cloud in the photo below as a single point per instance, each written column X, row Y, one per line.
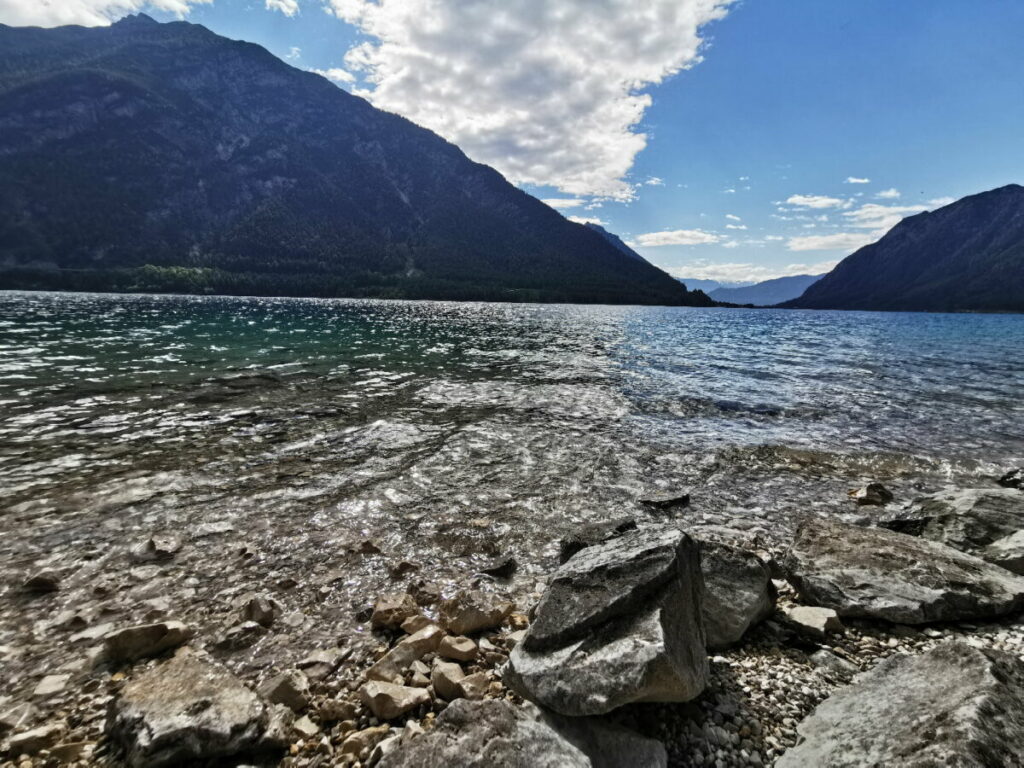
column 588, row 220
column 677, row 237
column 841, row 241
column 294, row 53
column 564, row 202
column 729, row 191
column 888, row 194
column 774, row 237
column 938, row 202
column 735, row 226
column 549, row 93
column 337, row 74
column 89, row 13
column 287, row 7
column 654, row 181
column 733, row 217
column 745, row 272
column 855, row 180
column 815, row 201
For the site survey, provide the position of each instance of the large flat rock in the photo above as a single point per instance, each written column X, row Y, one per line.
column 986, row 522
column 484, row 734
column 186, row 710
column 953, row 706
column 879, row 574
column 648, row 647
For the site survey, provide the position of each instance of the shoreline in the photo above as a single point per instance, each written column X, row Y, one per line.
column 758, row 691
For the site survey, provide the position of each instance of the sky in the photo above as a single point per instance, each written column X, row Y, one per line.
column 735, row 140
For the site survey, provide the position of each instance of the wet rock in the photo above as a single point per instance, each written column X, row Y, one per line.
column 157, row 548
column 501, row 567
column 414, row 624
column 365, row 739
column 37, row 739
column 51, row 685
column 144, row 641
column 42, row 582
column 878, row 574
column 425, row 593
column 305, row 727
column 474, row 611
column 412, row 648
column 458, row 648
column 445, row 678
column 813, row 621
column 391, row 610
column 619, row 623
column 594, row 533
column 987, row 523
column 873, row 494
column 1012, row 479
column 388, row 701
column 319, row 664
column 738, row 593
column 954, row 705
column 290, row 688
column 474, row 686
column 245, row 635
column 669, row 501
column 216, row 528
column 189, row 709
column 16, row 717
column 483, row 734
column 262, row 610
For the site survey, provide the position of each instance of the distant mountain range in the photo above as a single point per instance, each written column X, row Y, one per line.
column 768, row 292
column 162, row 157
column 966, row 256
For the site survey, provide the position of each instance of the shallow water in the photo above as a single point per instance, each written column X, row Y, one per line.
column 452, row 432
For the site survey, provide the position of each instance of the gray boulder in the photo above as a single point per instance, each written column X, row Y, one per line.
column 619, row 623
column 987, row 523
column 483, row 734
column 879, row 574
column 190, row 709
column 738, row 593
column 589, row 534
column 953, row 706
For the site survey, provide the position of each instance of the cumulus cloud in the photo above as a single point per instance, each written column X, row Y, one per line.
column 549, row 92
column 337, row 74
column 589, row 220
column 654, row 181
column 287, row 7
column 888, row 194
column 733, row 217
column 745, row 272
column 294, row 53
column 816, row 201
column 561, row 203
column 875, row 219
column 677, row 237
column 89, row 13
column 855, row 180
column 735, row 226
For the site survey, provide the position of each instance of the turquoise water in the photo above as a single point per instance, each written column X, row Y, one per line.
column 450, row 433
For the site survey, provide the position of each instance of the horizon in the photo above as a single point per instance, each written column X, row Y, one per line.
column 732, row 205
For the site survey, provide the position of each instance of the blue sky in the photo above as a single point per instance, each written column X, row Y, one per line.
column 729, row 140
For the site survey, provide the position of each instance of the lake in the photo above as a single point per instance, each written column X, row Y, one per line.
column 450, row 433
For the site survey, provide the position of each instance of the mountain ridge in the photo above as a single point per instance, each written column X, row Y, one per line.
column 148, row 156
column 967, row 256
column 767, row 292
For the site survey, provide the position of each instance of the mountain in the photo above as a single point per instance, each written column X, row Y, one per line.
column 614, row 240
column 967, row 256
column 162, row 157
column 768, row 292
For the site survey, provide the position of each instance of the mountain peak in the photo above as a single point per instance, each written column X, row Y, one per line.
column 135, row 20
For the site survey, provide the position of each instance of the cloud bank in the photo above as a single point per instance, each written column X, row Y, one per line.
column 549, row 92
column 677, row 237
column 745, row 272
column 89, row 13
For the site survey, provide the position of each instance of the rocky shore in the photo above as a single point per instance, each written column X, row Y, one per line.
column 888, row 636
